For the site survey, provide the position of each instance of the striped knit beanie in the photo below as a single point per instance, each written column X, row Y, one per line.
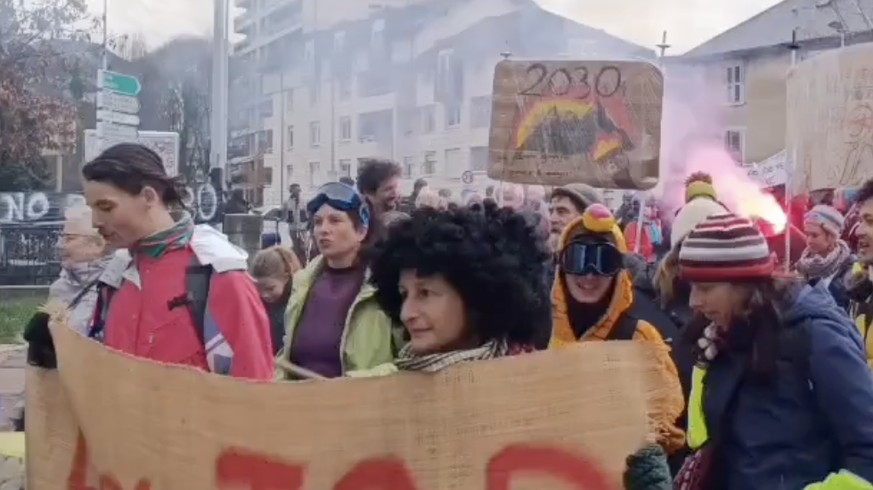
column 827, row 217
column 724, row 248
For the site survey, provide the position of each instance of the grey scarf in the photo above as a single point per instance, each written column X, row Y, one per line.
column 77, row 284
column 813, row 266
column 431, row 363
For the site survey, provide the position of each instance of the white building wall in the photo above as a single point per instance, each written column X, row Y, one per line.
column 454, row 143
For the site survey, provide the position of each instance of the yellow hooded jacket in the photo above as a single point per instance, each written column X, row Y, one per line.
column 668, row 403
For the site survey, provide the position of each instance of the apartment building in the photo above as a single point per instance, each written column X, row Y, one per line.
column 747, row 65
column 410, row 81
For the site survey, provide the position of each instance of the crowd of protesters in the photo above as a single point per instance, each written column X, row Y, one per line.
column 765, row 382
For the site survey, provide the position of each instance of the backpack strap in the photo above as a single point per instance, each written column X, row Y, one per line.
column 101, row 310
column 197, row 281
column 81, row 294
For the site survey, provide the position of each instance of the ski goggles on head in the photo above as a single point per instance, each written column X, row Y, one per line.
column 585, row 258
column 341, row 197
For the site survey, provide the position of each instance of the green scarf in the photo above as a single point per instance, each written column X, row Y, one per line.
column 176, row 237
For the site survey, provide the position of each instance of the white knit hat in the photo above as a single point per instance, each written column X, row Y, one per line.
column 692, row 214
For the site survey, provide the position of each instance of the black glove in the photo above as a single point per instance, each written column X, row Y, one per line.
column 647, row 469
column 41, row 347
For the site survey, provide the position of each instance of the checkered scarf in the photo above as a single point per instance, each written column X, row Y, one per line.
column 431, row 363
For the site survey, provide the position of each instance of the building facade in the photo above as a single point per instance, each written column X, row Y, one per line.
column 405, row 80
column 745, row 68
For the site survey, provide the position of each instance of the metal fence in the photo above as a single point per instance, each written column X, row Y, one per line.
column 28, row 253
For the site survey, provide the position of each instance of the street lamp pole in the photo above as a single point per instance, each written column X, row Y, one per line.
column 105, row 34
column 218, row 122
column 794, row 46
column 282, row 131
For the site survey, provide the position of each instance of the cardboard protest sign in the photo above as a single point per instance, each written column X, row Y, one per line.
column 771, row 172
column 556, row 420
column 595, row 122
column 830, row 119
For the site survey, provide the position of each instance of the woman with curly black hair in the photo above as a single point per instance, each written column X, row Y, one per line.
column 465, row 285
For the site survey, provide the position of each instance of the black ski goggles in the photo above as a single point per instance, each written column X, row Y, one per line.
column 583, row 258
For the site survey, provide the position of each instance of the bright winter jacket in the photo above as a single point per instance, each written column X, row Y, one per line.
column 859, row 288
column 669, row 403
column 647, row 248
column 368, row 338
column 814, row 428
column 148, row 317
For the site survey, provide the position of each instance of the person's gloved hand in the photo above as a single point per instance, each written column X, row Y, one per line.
column 40, row 346
column 647, row 469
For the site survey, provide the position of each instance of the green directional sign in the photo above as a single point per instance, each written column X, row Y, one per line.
column 121, row 83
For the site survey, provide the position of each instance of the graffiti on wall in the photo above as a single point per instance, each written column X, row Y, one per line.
column 46, row 207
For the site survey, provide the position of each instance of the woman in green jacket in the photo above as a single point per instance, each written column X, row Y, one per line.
column 333, row 324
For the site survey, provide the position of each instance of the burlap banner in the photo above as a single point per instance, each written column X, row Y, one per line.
column 556, row 420
column 596, row 122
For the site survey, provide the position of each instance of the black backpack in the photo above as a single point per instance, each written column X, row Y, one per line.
column 680, row 352
column 197, row 282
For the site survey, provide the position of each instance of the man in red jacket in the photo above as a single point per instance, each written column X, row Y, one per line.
column 144, row 307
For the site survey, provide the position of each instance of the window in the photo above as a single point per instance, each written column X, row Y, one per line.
column 735, row 143
column 444, row 63
column 429, row 165
column 736, row 81
column 377, row 37
column 314, row 174
column 344, row 87
column 339, row 41
column 314, row 133
column 449, row 82
column 479, row 158
column 289, row 142
column 345, row 128
column 428, row 120
column 289, row 172
column 314, row 94
column 480, row 111
column 289, row 100
column 265, row 141
column 408, row 167
column 454, row 165
column 345, row 166
column 453, row 115
column 309, row 50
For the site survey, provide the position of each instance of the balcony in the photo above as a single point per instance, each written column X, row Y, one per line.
column 242, row 46
column 242, row 23
column 279, row 28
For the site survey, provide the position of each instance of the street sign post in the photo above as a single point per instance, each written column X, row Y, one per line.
column 118, row 108
column 117, row 131
column 120, row 83
column 117, row 103
column 118, row 118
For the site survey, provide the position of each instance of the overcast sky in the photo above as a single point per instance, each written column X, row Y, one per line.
column 687, row 22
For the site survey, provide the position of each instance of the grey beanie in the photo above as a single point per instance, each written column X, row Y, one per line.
column 582, row 195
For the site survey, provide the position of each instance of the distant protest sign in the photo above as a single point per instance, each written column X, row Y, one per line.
column 556, row 420
column 771, row 172
column 595, row 122
column 830, row 119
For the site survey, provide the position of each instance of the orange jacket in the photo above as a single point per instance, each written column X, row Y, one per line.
column 667, row 401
